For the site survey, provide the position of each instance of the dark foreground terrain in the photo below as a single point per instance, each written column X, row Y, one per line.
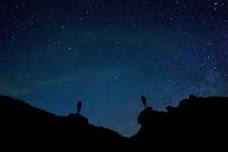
column 198, row 123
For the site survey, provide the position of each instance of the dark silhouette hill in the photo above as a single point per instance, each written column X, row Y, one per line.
column 198, row 123
column 23, row 125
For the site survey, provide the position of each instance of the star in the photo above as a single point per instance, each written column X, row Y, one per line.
column 112, row 52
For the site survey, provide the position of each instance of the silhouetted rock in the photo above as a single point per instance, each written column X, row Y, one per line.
column 196, row 124
column 23, row 125
column 78, row 117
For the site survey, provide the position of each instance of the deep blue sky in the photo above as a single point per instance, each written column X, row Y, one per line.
column 110, row 52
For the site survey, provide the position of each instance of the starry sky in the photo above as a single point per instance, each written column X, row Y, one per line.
column 110, row 52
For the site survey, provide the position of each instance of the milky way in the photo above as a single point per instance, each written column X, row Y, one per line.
column 110, row 52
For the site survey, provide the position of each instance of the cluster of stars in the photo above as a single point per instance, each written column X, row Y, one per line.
column 111, row 51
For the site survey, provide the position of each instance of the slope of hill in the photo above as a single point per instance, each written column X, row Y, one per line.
column 197, row 123
column 22, row 123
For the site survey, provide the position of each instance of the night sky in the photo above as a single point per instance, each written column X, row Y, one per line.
column 110, row 52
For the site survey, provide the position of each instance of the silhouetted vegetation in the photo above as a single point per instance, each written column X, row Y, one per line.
column 196, row 124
